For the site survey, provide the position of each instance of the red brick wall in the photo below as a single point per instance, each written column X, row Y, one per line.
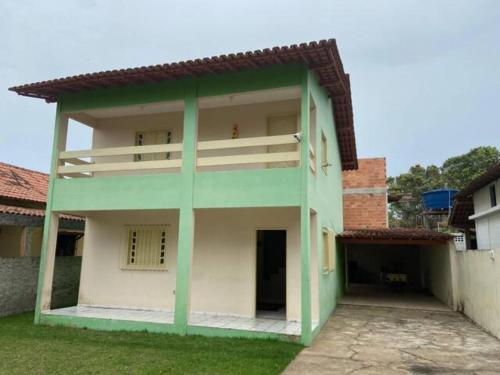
column 365, row 209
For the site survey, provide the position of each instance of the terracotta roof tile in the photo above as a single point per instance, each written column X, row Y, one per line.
column 37, row 212
column 24, row 184
column 403, row 234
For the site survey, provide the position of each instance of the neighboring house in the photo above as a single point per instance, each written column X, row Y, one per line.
column 212, row 193
column 476, row 211
column 23, row 194
column 22, row 211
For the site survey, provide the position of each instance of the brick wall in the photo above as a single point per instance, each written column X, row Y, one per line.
column 19, row 279
column 365, row 195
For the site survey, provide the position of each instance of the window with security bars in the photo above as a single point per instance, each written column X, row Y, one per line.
column 153, row 137
column 146, row 247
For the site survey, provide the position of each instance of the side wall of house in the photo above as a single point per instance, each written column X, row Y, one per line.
column 488, row 226
column 325, row 197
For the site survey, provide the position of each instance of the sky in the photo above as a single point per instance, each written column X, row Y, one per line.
column 425, row 75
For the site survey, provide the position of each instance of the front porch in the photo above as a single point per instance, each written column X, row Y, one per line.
column 196, row 319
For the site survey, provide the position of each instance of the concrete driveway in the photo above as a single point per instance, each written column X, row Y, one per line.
column 377, row 340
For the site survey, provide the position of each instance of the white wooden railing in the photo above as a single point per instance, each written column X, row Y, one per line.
column 72, row 163
column 82, row 168
column 249, row 158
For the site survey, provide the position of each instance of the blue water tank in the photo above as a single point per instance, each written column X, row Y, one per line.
column 439, row 199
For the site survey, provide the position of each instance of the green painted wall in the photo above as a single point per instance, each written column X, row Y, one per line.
column 248, row 188
column 325, row 197
column 217, row 84
column 154, row 191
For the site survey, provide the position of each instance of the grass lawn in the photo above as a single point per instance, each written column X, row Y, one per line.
column 29, row 349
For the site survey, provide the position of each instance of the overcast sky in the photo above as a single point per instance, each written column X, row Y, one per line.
column 425, row 75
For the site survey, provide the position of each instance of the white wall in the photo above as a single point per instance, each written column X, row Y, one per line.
column 103, row 282
column 438, row 272
column 478, row 285
column 224, row 259
column 213, row 124
column 487, row 225
column 217, row 124
column 120, row 132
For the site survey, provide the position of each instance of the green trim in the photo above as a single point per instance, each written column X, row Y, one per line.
column 279, row 187
column 105, row 324
column 48, row 215
column 305, row 243
column 186, row 216
column 101, row 324
column 270, row 77
column 208, row 85
column 153, row 191
column 236, row 333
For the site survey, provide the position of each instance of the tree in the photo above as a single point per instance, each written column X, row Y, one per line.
column 456, row 172
column 407, row 210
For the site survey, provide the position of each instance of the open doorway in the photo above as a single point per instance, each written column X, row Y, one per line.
column 271, row 273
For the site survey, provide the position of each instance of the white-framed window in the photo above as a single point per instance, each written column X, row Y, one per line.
column 145, row 247
column 153, row 137
column 324, row 153
column 329, row 250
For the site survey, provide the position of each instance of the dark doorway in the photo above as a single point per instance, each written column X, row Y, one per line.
column 271, row 273
column 66, row 244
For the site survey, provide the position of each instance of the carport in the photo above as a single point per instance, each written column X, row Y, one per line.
column 398, row 267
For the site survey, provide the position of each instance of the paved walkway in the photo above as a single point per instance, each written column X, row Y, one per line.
column 363, row 340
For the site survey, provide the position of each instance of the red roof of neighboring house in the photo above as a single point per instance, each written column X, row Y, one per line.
column 24, row 184
column 394, row 235
column 321, row 57
column 37, row 212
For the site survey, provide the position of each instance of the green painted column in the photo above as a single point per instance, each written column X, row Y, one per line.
column 305, row 254
column 51, row 223
column 186, row 214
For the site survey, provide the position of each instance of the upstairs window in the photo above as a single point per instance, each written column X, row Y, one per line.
column 324, row 153
column 153, row 137
column 493, row 196
column 329, row 250
column 146, row 248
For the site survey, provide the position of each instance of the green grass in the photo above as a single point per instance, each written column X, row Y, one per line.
column 29, row 349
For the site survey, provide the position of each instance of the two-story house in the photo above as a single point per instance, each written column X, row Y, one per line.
column 212, row 193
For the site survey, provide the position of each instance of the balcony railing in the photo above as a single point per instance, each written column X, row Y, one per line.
column 247, row 157
column 72, row 163
column 83, row 168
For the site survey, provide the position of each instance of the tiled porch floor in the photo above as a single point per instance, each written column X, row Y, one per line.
column 196, row 319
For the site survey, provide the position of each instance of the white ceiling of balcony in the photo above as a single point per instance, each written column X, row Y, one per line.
column 253, row 97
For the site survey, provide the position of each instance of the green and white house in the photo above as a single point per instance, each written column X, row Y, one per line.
column 212, row 193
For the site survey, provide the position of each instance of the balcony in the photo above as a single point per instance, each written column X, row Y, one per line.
column 247, row 154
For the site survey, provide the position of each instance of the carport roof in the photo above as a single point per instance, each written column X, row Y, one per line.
column 413, row 236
